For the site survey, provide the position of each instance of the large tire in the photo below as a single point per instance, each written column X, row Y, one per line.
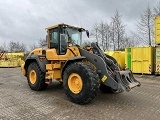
column 80, row 82
column 35, row 77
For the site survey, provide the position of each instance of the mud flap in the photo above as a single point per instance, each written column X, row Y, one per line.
column 126, row 80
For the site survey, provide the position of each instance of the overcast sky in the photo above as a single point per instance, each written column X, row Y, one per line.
column 26, row 20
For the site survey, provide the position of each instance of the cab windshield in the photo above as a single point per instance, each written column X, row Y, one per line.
column 75, row 36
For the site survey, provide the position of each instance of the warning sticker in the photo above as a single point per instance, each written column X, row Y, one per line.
column 104, row 78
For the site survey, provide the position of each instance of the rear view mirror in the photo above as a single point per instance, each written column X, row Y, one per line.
column 87, row 33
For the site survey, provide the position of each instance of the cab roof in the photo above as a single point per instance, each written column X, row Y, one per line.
column 62, row 24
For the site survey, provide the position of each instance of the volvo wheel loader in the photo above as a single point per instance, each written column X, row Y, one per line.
column 83, row 71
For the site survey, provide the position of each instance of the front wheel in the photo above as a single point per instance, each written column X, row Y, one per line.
column 80, row 82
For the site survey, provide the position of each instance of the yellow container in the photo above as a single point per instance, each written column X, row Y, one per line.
column 119, row 56
column 20, row 62
column 12, row 59
column 9, row 64
column 142, row 60
column 157, row 29
column 16, row 54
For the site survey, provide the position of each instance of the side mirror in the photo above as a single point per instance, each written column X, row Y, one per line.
column 87, row 33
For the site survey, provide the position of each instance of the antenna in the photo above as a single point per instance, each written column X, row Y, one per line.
column 55, row 18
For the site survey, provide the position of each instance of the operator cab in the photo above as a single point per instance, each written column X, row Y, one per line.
column 62, row 36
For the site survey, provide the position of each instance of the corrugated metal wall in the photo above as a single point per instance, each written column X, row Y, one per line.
column 142, row 60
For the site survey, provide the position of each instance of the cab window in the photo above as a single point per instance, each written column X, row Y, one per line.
column 54, row 38
column 63, row 43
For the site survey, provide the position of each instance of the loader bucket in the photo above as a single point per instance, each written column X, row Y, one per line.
column 126, row 80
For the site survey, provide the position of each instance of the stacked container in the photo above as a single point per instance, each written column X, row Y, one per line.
column 157, row 61
column 157, row 42
column 157, row 30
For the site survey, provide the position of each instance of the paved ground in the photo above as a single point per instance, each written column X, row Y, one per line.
column 18, row 102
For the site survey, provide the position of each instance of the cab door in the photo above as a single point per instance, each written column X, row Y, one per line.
column 57, row 44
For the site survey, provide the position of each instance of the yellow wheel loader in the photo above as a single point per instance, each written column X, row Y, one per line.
column 83, row 71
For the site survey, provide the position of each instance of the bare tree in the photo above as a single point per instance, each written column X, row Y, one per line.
column 94, row 32
column 33, row 46
column 17, row 47
column 145, row 27
column 3, row 47
column 42, row 42
column 130, row 41
column 102, row 34
column 112, row 35
column 156, row 9
column 117, row 31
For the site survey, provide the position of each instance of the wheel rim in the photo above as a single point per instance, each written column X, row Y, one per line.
column 32, row 76
column 75, row 83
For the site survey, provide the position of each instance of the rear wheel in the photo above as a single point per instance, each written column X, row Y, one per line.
column 35, row 77
column 81, row 82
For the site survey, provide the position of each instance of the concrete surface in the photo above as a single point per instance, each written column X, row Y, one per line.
column 18, row 102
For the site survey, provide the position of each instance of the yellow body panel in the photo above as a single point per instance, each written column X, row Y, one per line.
column 157, row 29
column 53, row 74
column 37, row 51
column 54, row 69
column 119, row 56
column 142, row 60
column 49, row 67
column 53, row 66
column 51, row 54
